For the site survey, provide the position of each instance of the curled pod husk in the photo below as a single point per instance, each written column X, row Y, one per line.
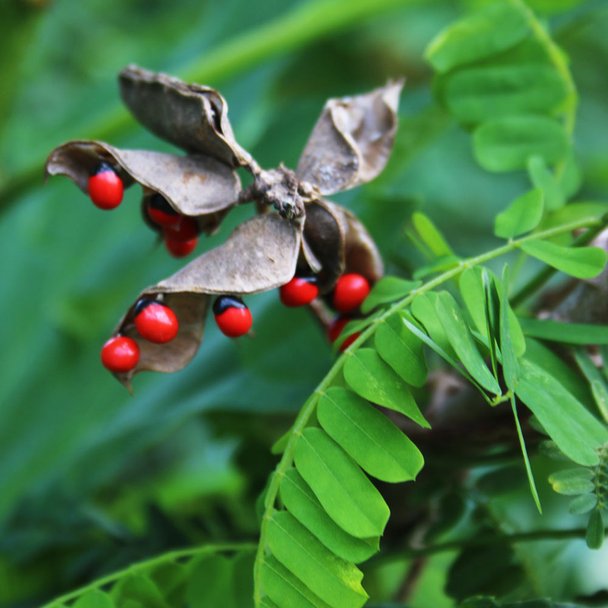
column 259, row 255
column 352, row 140
column 191, row 116
column 193, row 185
column 341, row 243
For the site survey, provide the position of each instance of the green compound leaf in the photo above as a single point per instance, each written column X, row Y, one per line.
column 575, row 431
column 579, row 262
column 506, row 143
column 543, row 178
column 368, row 436
column 94, row 599
column 335, row 581
column 595, row 530
column 461, row 340
column 478, row 94
column 496, row 28
column 401, row 349
column 582, row 504
column 388, row 289
column 342, row 488
column 371, row 378
column 572, row 482
column 522, row 215
column 282, row 587
column 566, row 333
column 300, row 501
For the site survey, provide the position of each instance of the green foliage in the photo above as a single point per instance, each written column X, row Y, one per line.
column 111, row 479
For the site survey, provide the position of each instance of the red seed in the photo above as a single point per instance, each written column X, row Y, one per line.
column 350, row 291
column 120, row 354
column 156, row 322
column 180, row 249
column 160, row 212
column 105, row 188
column 298, row 292
column 335, row 329
column 185, row 230
column 232, row 316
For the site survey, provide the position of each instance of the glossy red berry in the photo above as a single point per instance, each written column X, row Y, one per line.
column 120, row 354
column 105, row 187
column 350, row 291
column 160, row 211
column 335, row 329
column 186, row 229
column 232, row 316
column 299, row 291
column 180, row 249
column 155, row 322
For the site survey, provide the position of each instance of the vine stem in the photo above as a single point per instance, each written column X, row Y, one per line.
column 171, row 556
column 309, row 406
column 288, row 32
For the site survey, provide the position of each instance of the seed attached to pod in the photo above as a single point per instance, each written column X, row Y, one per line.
column 350, row 291
column 120, row 354
column 232, row 316
column 299, row 291
column 335, row 329
column 155, row 322
column 160, row 211
column 180, row 249
column 105, row 187
column 186, row 229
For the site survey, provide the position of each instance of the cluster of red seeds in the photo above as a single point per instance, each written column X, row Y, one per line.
column 157, row 323
column 180, row 232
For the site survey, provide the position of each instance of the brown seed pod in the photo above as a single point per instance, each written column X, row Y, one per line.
column 352, row 140
column 259, row 255
column 191, row 116
column 192, row 185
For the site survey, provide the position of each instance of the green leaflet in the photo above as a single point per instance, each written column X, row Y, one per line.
column 597, row 382
column 575, row 431
column 94, row 599
column 300, row 501
column 565, row 333
column 580, row 262
column 138, row 588
column 401, row 349
column 211, row 583
column 334, row 580
column 283, row 588
column 521, row 216
column 510, row 364
column 544, row 180
column 572, row 482
column 370, row 377
column 459, row 336
column 368, row 436
column 478, row 94
column 267, row 603
column 430, row 236
column 505, row 144
column 424, row 308
column 595, row 530
column 343, row 490
column 496, row 28
column 582, row 504
column 388, row 289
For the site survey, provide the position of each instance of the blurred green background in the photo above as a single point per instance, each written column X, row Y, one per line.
column 92, row 478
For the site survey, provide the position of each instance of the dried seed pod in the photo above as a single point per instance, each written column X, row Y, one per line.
column 191, row 116
column 352, row 140
column 192, row 185
column 259, row 255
